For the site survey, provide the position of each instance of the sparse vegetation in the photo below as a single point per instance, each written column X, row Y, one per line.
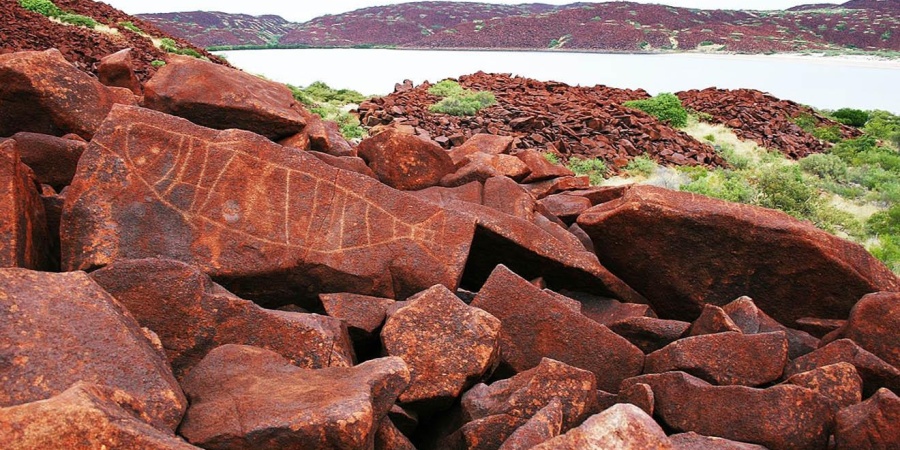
column 157, row 63
column 332, row 104
column 665, row 107
column 640, row 166
column 169, row 45
column 49, row 9
column 458, row 101
column 131, row 27
column 551, row 157
column 593, row 168
column 77, row 19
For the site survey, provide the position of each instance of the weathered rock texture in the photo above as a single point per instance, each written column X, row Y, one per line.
column 24, row 241
column 622, row 426
column 59, row 329
column 404, row 161
column 192, row 315
column 268, row 223
column 682, row 250
column 247, row 397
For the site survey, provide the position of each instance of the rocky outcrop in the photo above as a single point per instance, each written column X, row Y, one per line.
column 23, row 229
column 764, row 119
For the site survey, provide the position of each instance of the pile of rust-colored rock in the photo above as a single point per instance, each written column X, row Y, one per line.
column 174, row 278
column 764, row 119
column 27, row 30
column 586, row 122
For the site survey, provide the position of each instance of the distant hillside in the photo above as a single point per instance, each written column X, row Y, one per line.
column 21, row 29
column 616, row 26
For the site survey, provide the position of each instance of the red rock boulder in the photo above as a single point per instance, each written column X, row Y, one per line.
column 270, row 224
column 875, row 373
column 248, row 397
column 404, row 161
column 42, row 93
column 83, row 416
column 535, row 325
column 24, row 241
column 63, row 328
column 682, row 250
column 192, row 315
column 543, row 426
column 874, row 325
column 52, row 159
column 117, row 70
column 447, row 345
column 220, row 97
column 871, row 424
column 622, row 427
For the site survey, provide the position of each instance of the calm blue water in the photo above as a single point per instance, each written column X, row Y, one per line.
column 819, row 82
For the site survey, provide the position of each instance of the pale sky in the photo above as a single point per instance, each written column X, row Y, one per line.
column 305, row 10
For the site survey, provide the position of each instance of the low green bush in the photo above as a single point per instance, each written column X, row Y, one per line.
column 732, row 157
column 665, row 107
column 168, row 45
column 319, row 91
column 44, row 7
column 641, row 166
column 829, row 134
column 594, row 168
column 885, row 222
column 551, row 157
column 446, row 88
column 786, row 188
column 719, row 183
column 853, row 117
column 131, row 27
column 78, row 19
column 467, row 104
column 885, row 126
column 826, row 166
column 888, row 251
column 807, row 122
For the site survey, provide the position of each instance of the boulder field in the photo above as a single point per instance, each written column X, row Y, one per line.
column 196, row 261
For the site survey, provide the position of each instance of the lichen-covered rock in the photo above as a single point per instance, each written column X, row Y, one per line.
column 270, row 224
column 448, row 346
column 839, row 382
column 247, row 397
column 59, row 329
column 871, row 424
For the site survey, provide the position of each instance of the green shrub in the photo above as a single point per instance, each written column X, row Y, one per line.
column 321, row 92
column 710, row 138
column 806, row 121
column 594, row 168
column 885, row 222
column 719, row 183
column 157, row 63
column 130, row 26
column 665, row 107
column 465, row 105
column 349, row 126
column 446, row 88
column 853, row 117
column 829, row 134
column 732, row 157
column 44, row 7
column 168, row 45
column 826, row 166
column 785, row 188
column 551, row 157
column 77, row 19
column 888, row 251
column 641, row 166
column 885, row 126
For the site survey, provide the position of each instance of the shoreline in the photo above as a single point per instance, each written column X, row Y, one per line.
column 855, row 59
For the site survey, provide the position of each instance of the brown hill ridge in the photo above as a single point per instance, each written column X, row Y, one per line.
column 611, row 26
column 479, row 297
column 26, row 30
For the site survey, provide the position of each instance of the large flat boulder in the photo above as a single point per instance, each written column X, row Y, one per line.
column 59, row 329
column 404, row 161
column 683, row 250
column 192, row 315
column 83, row 416
column 247, row 397
column 535, row 325
column 23, row 223
column 220, row 97
column 270, row 224
column 41, row 92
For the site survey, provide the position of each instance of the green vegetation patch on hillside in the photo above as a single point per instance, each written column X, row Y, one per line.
column 332, row 104
column 458, row 101
column 49, row 9
column 665, row 107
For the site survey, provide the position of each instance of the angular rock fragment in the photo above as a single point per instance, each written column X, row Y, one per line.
column 694, row 441
column 481, row 143
column 83, row 416
column 839, row 382
column 566, row 207
column 648, row 333
column 248, row 397
column 875, row 373
column 192, row 315
column 348, row 163
column 23, row 223
column 220, row 97
column 59, row 329
column 507, row 196
column 388, row 437
column 640, row 395
column 528, row 392
column 325, row 136
column 544, row 425
column 768, row 417
column 269, row 223
column 724, row 358
column 606, row 310
column 363, row 315
column 540, row 168
column 533, row 252
column 117, row 70
column 871, row 424
column 405, row 162
column 448, row 346
column 440, row 195
column 622, row 427
column 52, row 159
column 682, row 250
column 874, row 324
column 487, row 433
column 751, row 320
column 41, row 92
column 535, row 326
column 712, row 320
